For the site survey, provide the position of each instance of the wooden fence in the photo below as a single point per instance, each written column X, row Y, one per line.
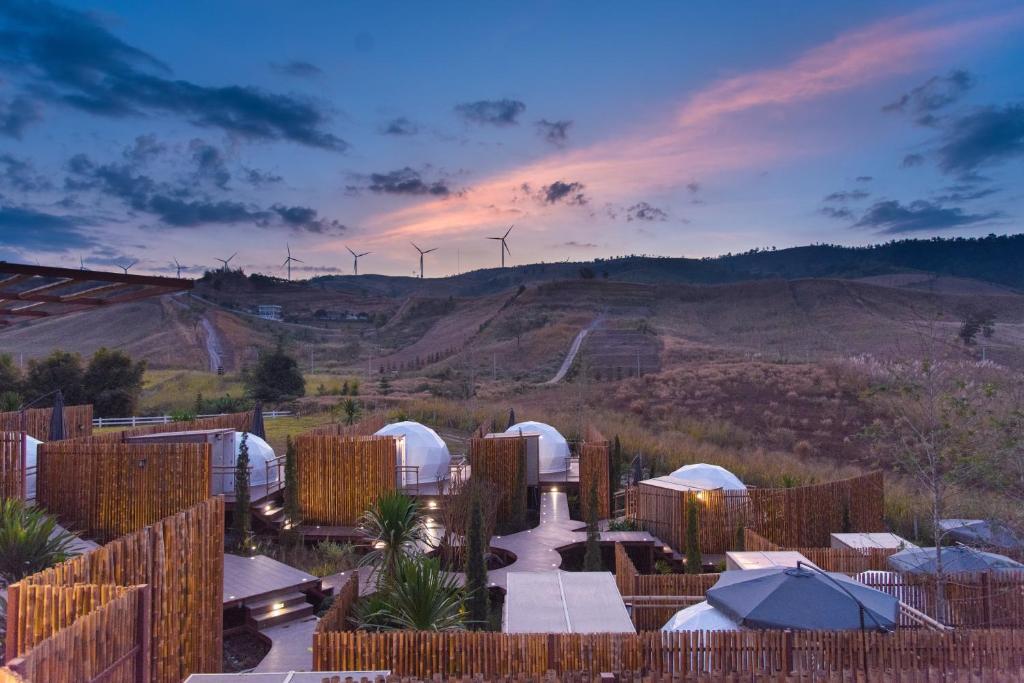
column 341, row 476
column 964, row 675
column 106, row 489
column 179, row 560
column 239, row 422
column 501, row 462
column 368, row 426
column 12, row 476
column 426, row 653
column 77, row 422
column 84, row 634
column 803, row 516
column 652, row 615
column 336, row 618
column 595, row 470
column 844, row 560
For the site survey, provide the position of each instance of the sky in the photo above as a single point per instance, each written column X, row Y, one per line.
column 162, row 133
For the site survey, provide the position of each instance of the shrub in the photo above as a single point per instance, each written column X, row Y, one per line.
column 276, row 377
column 29, row 541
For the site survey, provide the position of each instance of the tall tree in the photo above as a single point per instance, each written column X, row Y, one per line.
column 112, row 383
column 60, row 370
column 592, row 553
column 478, row 599
column 276, row 377
column 241, row 524
column 694, row 562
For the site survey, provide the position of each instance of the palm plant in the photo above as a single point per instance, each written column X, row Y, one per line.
column 29, row 541
column 395, row 526
column 419, row 596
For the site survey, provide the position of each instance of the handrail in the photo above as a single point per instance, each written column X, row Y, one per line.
column 919, row 617
column 139, row 420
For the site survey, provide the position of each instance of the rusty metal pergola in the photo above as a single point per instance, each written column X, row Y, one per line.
column 35, row 292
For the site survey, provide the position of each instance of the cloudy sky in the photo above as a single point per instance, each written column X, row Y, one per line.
column 139, row 131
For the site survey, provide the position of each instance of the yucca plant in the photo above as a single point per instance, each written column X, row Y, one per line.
column 395, row 527
column 419, row 596
column 29, row 541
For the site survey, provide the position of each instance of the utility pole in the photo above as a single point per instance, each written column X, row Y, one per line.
column 494, row 367
column 638, row 362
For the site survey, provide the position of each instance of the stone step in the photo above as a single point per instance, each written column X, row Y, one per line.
column 281, row 616
column 274, row 602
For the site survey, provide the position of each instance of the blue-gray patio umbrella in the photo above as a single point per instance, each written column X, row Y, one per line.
column 981, row 532
column 257, row 428
column 955, row 559
column 802, row 598
column 57, row 418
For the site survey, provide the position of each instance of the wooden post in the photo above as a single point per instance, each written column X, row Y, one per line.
column 143, row 670
column 986, row 600
column 787, row 651
column 12, row 620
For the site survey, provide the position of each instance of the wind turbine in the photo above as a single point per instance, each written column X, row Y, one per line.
column 288, row 261
column 125, row 268
column 355, row 259
column 225, row 261
column 81, row 263
column 504, row 245
column 178, row 266
column 422, row 252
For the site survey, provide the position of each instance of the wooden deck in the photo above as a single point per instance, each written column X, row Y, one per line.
column 247, row 579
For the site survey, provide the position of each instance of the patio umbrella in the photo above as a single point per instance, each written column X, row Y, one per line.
column 801, row 598
column 57, row 418
column 257, row 427
column 955, row 559
column 980, row 532
column 511, row 418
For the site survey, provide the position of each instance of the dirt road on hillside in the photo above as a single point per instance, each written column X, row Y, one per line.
column 574, row 348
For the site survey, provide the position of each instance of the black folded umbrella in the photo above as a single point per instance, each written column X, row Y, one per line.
column 57, row 418
column 257, row 428
column 802, row 598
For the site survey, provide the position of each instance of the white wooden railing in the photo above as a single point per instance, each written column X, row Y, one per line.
column 140, row 420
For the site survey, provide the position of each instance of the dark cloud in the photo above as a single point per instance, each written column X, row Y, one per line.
column 864, row 178
column 189, row 213
column 986, row 136
column 258, row 178
column 64, row 56
column 965, row 193
column 306, row 219
column 491, row 112
column 841, row 212
column 19, row 174
column 693, row 187
column 578, row 245
column 643, row 211
column 399, row 126
column 116, row 180
column 297, row 69
column 406, row 181
column 555, row 132
column 931, row 96
column 560, row 191
column 209, row 163
column 16, row 115
column 912, row 160
column 892, row 218
column 34, row 230
column 144, row 149
column 847, row 196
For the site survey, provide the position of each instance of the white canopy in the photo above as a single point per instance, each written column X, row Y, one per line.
column 708, row 477
column 423, row 449
column 701, row 617
column 30, row 465
column 554, row 450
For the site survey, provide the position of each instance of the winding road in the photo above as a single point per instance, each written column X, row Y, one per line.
column 574, row 349
column 213, row 346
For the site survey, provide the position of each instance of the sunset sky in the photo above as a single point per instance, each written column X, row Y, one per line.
column 140, row 131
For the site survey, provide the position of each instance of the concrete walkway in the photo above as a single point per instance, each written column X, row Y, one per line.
column 291, row 648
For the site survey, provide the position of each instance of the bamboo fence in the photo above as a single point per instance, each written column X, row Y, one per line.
column 106, row 490
column 341, row 476
column 77, row 422
column 368, row 426
column 595, row 464
column 336, row 618
column 803, row 516
column 461, row 653
column 650, row 615
column 501, row 462
column 843, row 560
column 11, row 475
column 180, row 562
column 101, row 637
column 968, row 675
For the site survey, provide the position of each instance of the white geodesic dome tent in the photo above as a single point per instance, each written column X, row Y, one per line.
column 554, row 449
column 701, row 617
column 423, row 449
column 30, row 465
column 708, row 477
column 260, row 453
